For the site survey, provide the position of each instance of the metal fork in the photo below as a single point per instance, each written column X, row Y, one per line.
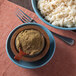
column 25, row 19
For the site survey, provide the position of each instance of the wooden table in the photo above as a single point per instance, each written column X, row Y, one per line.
column 23, row 3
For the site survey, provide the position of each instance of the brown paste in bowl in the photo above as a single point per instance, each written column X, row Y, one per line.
column 31, row 41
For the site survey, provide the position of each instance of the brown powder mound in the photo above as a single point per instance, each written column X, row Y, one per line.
column 31, row 41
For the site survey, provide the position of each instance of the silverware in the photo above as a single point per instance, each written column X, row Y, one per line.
column 25, row 19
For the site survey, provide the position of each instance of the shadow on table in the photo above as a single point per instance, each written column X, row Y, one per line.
column 62, row 64
column 24, row 3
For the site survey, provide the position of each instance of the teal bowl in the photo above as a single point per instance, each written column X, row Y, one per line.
column 34, row 5
column 36, row 64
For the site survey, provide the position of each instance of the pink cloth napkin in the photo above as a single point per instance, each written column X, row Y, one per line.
column 63, row 62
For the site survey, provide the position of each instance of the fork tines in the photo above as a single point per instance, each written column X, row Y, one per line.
column 22, row 16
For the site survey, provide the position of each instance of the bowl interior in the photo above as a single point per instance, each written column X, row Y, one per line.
column 43, row 39
column 35, row 64
column 34, row 5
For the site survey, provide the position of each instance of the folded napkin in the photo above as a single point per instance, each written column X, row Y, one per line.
column 63, row 62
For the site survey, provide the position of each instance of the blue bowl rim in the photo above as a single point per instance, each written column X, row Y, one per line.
column 36, row 11
column 26, row 66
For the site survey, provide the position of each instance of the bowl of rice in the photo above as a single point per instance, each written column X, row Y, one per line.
column 60, row 14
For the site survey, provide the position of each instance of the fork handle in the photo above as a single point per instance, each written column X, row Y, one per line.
column 68, row 40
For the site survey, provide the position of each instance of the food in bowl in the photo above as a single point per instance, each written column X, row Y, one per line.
column 31, row 62
column 19, row 54
column 31, row 41
column 59, row 12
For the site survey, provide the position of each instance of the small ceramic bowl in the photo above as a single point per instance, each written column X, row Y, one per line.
column 35, row 64
column 37, row 56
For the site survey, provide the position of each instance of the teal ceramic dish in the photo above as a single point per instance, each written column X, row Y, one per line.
column 34, row 5
column 36, row 64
